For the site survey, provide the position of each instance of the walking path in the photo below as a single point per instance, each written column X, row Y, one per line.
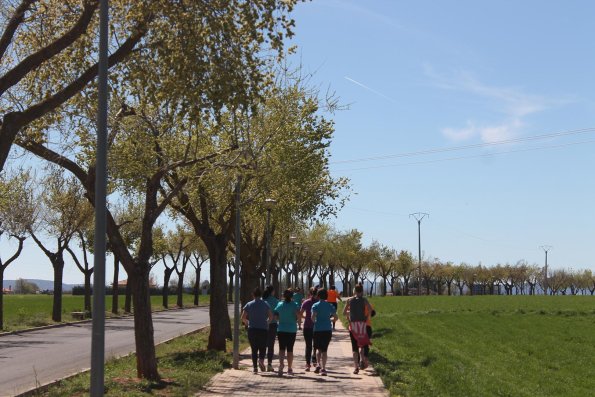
column 340, row 380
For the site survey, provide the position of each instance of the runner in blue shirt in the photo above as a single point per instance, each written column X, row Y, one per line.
column 256, row 315
column 269, row 297
column 322, row 312
column 287, row 314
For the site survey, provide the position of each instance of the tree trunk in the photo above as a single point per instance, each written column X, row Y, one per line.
column 128, row 299
column 197, row 286
column 146, row 363
column 249, row 276
column 220, row 322
column 58, row 264
column 2, row 297
column 180, row 302
column 276, row 282
column 165, row 291
column 230, row 274
column 115, row 289
column 88, row 290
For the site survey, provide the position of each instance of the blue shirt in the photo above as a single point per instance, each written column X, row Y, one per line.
column 298, row 297
column 272, row 301
column 287, row 312
column 258, row 314
column 324, row 311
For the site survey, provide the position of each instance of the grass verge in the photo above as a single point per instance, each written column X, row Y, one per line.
column 29, row 311
column 184, row 364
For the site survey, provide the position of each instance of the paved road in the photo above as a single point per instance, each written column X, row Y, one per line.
column 42, row 356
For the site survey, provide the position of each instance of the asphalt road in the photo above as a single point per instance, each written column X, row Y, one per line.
column 39, row 357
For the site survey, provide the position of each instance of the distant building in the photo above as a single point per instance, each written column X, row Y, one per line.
column 7, row 291
column 152, row 283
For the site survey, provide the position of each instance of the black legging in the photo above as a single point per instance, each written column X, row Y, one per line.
column 272, row 335
column 308, row 335
column 258, row 343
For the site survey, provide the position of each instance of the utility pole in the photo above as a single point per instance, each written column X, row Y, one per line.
column 418, row 217
column 546, row 249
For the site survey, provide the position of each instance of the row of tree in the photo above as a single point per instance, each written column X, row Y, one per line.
column 200, row 101
column 322, row 255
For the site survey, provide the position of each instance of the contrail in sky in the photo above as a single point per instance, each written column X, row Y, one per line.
column 370, row 89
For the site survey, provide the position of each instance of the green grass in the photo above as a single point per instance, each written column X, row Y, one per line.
column 26, row 311
column 184, row 365
column 485, row 345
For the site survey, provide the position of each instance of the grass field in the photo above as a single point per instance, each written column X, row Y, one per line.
column 26, row 311
column 485, row 345
column 184, row 365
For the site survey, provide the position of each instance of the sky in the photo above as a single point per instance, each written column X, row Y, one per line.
column 481, row 114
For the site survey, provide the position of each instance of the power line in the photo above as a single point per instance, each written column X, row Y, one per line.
column 466, row 157
column 472, row 146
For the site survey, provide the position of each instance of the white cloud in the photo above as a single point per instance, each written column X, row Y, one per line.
column 513, row 103
column 460, row 134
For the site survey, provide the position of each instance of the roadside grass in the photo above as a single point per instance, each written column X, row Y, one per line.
column 184, row 364
column 485, row 345
column 27, row 311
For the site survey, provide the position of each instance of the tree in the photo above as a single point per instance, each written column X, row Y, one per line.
column 405, row 267
column 22, row 286
column 198, row 256
column 17, row 212
column 63, row 211
column 84, row 267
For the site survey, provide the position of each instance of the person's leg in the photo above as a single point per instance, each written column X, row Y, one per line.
column 282, row 337
column 272, row 335
column 366, row 349
column 253, row 346
column 262, row 347
column 308, row 340
column 355, row 350
column 336, row 306
column 324, row 349
column 290, row 343
column 317, row 341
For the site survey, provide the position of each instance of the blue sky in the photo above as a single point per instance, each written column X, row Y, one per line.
column 425, row 76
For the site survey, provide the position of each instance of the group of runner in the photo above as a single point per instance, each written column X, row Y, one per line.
column 269, row 319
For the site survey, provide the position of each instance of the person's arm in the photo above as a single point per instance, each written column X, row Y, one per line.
column 244, row 317
column 346, row 308
column 270, row 315
column 369, row 310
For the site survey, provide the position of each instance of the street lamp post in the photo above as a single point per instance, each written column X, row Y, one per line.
column 546, row 249
column 292, row 241
column 236, row 296
column 98, row 329
column 418, row 217
column 269, row 204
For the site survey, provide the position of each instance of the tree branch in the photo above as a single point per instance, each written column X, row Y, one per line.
column 33, row 61
column 16, row 254
column 12, row 25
